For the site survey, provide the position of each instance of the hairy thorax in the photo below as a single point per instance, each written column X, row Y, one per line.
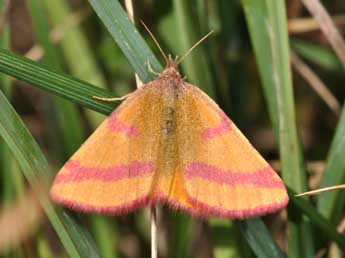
column 170, row 76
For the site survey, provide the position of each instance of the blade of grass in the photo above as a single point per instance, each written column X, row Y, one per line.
column 260, row 240
column 105, row 234
column 233, row 45
column 328, row 27
column 315, row 83
column 127, row 37
column 196, row 64
column 4, row 43
column 36, row 170
column 77, row 91
column 329, row 204
column 180, row 236
column 267, row 26
column 43, row 248
column 318, row 54
column 317, row 219
column 225, row 239
column 209, row 20
column 12, row 183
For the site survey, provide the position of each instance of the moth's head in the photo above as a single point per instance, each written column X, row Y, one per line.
column 171, row 70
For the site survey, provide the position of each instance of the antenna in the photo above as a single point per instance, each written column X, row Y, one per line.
column 194, row 46
column 156, row 42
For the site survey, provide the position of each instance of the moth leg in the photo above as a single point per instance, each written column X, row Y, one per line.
column 151, row 69
column 112, row 99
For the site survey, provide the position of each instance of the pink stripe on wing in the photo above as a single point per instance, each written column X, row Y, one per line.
column 121, row 209
column 224, row 127
column 200, row 209
column 205, row 210
column 79, row 173
column 262, row 177
column 116, row 125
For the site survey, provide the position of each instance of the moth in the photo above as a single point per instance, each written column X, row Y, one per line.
column 169, row 143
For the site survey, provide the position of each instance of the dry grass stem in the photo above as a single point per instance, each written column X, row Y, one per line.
column 315, row 82
column 341, row 226
column 303, row 25
column 130, row 12
column 321, row 190
column 327, row 26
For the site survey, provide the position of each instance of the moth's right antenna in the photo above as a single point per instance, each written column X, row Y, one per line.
column 194, row 46
column 156, row 42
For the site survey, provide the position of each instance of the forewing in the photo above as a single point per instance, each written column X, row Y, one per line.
column 112, row 171
column 222, row 172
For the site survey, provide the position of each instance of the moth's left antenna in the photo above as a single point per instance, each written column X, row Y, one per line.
column 156, row 42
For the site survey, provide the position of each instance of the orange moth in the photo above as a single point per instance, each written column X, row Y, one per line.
column 169, row 143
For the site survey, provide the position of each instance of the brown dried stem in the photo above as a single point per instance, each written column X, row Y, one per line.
column 315, row 82
column 327, row 26
column 303, row 25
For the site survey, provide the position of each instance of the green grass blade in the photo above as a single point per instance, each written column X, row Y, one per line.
column 196, row 64
column 80, row 235
column 180, row 235
column 77, row 91
column 329, row 204
column 127, row 37
column 232, row 94
column 105, row 235
column 268, row 30
column 36, row 170
column 12, row 183
column 259, row 239
column 318, row 54
column 321, row 222
column 5, row 80
column 226, row 240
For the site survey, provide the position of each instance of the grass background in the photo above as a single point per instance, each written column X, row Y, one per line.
column 82, row 49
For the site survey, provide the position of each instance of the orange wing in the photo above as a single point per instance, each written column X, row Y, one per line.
column 218, row 171
column 169, row 143
column 112, row 172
